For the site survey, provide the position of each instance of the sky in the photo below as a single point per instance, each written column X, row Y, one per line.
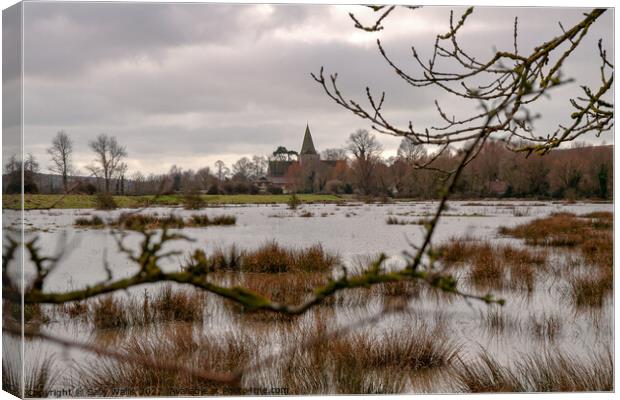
column 188, row 84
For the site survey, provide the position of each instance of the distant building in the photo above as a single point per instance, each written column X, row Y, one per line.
column 278, row 170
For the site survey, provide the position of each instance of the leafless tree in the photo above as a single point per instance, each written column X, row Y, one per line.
column 109, row 156
column 61, row 152
column 505, row 86
column 411, row 152
column 366, row 150
column 335, row 154
column 221, row 170
column 259, row 166
column 242, row 168
column 363, row 145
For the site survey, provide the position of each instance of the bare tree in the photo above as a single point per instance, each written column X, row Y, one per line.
column 259, row 166
column 335, row 154
column 505, row 86
column 242, row 168
column 366, row 150
column 221, row 170
column 363, row 145
column 109, row 156
column 411, row 152
column 61, row 152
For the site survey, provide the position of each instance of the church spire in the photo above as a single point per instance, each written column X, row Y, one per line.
column 308, row 146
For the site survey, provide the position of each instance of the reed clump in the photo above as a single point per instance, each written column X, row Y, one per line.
column 165, row 305
column 40, row 374
column 590, row 290
column 180, row 344
column 560, row 229
column 537, row 372
column 109, row 312
column 494, row 267
column 142, row 222
column 273, row 258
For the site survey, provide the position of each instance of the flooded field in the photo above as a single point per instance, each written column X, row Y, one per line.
column 440, row 344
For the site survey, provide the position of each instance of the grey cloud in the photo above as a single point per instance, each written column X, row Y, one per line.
column 213, row 79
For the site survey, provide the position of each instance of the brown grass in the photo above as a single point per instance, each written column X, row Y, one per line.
column 284, row 288
column 536, row 372
column 497, row 322
column 141, row 222
column 166, row 305
column 494, row 267
column 180, row 345
column 590, row 290
column 360, row 363
column 545, row 327
column 109, row 312
column 560, row 229
column 273, row 258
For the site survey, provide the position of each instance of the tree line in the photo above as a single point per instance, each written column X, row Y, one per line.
column 356, row 168
column 415, row 172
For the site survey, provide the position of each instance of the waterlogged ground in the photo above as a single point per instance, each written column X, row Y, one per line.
column 354, row 232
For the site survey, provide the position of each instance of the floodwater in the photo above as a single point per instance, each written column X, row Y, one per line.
column 352, row 231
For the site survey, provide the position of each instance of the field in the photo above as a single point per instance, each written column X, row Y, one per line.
column 551, row 263
column 44, row 201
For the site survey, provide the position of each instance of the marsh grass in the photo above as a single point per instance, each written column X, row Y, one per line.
column 497, row 322
column 40, row 374
column 109, row 312
column 391, row 220
column 545, row 371
column 590, row 290
column 284, row 288
column 93, row 222
column 560, row 229
column 180, row 344
column 273, row 258
column 493, row 266
column 166, row 305
column 366, row 363
column 545, row 327
column 141, row 222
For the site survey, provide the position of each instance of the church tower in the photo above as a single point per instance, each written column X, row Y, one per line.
column 308, row 152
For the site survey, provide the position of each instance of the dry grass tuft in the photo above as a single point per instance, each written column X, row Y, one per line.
column 538, row 372
column 545, row 327
column 560, row 229
column 40, row 373
column 180, row 344
column 166, row 305
column 141, row 222
column 590, row 290
column 109, row 312
column 494, row 267
column 273, row 259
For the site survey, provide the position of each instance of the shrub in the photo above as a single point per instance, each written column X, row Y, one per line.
column 193, row 201
column 293, row 201
column 272, row 189
column 105, row 201
column 334, row 186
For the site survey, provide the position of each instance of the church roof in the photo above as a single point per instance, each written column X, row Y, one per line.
column 307, row 147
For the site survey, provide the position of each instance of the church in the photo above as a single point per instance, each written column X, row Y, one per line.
column 280, row 171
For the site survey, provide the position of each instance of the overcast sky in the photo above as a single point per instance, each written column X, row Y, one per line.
column 189, row 84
